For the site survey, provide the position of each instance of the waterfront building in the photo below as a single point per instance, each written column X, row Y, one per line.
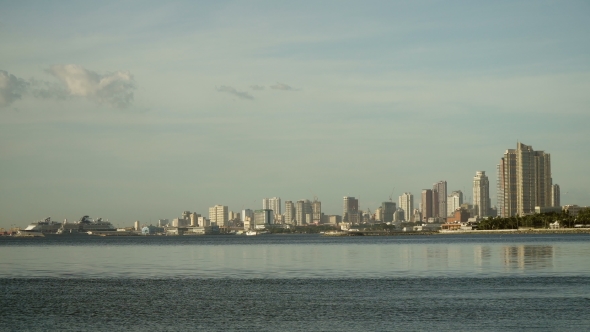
column 316, row 208
column 524, row 181
column 387, row 211
column 406, row 203
column 263, row 218
column 300, row 212
column 273, row 204
column 555, row 196
column 426, row 204
column 289, row 217
column 218, row 215
column 481, row 194
column 246, row 213
column 454, row 201
column 307, row 211
column 439, row 199
column 416, row 215
column 351, row 210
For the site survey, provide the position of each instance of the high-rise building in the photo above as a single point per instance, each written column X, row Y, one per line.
column 316, row 208
column 263, row 218
column 555, row 196
column 387, row 211
column 247, row 213
column 273, row 204
column 300, row 212
column 454, row 201
column 481, row 194
column 406, row 203
column 439, row 199
column 218, row 215
column 289, row 212
column 351, row 210
column 524, row 181
column 307, row 211
column 426, row 204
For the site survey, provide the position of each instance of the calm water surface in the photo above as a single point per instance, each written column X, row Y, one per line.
column 296, row 283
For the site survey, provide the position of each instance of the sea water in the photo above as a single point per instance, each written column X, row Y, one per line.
column 296, row 283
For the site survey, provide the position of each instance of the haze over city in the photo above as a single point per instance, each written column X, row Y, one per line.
column 141, row 110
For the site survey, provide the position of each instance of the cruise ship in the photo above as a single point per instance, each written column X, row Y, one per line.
column 42, row 226
column 85, row 225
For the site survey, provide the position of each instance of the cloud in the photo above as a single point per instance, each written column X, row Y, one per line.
column 230, row 90
column 115, row 89
column 257, row 87
column 283, row 86
column 11, row 88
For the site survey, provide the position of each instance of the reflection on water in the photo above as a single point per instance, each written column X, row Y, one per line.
column 531, row 257
column 302, row 257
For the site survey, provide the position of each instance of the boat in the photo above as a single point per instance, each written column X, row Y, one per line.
column 251, row 233
column 45, row 226
column 85, row 225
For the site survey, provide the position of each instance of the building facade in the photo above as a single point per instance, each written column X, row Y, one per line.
column 439, row 199
column 387, row 211
column 406, row 203
column 481, row 194
column 351, row 210
column 273, row 204
column 289, row 212
column 454, row 201
column 524, row 181
column 426, row 204
column 218, row 214
column 555, row 196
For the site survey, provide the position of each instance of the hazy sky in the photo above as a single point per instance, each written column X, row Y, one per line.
column 139, row 110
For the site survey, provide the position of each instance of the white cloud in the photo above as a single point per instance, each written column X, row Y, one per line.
column 115, row 89
column 233, row 91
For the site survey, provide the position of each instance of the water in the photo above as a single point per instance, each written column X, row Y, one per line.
column 294, row 283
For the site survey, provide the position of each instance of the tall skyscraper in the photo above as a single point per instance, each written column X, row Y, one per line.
column 387, row 211
column 555, row 196
column 406, row 203
column 300, row 212
column 439, row 199
column 316, row 208
column 289, row 212
column 481, row 194
column 426, row 204
column 218, row 215
column 454, row 201
column 524, row 181
column 351, row 210
column 273, row 204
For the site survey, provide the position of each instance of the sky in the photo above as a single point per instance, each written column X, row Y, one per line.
column 139, row 110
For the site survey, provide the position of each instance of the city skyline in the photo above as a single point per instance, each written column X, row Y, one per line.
column 141, row 110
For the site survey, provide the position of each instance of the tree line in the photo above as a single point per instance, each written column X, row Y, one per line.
column 537, row 220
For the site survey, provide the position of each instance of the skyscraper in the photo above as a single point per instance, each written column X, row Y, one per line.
column 300, row 212
column 273, row 204
column 524, row 181
column 406, row 203
column 316, row 208
column 454, row 201
column 439, row 199
column 351, row 208
column 481, row 194
column 387, row 211
column 426, row 204
column 555, row 196
column 289, row 212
